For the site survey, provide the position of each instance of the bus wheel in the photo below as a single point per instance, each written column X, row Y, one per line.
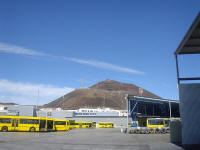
column 131, row 131
column 147, row 131
column 163, row 131
column 151, row 131
column 157, row 131
column 137, row 131
column 4, row 129
column 167, row 131
column 32, row 129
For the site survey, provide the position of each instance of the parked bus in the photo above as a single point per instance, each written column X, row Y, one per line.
column 46, row 124
column 71, row 124
column 8, row 123
column 32, row 124
column 93, row 124
column 83, row 124
column 157, row 122
column 106, row 125
column 61, row 125
column 151, row 125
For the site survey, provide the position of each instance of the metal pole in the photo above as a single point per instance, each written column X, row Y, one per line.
column 177, row 69
column 170, row 111
column 82, row 82
column 37, row 99
column 153, row 109
column 127, row 110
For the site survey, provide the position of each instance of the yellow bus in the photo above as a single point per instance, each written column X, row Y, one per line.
column 93, row 124
column 106, row 125
column 71, row 124
column 46, row 124
column 61, row 125
column 157, row 122
column 16, row 123
column 84, row 124
column 77, row 125
column 7, row 123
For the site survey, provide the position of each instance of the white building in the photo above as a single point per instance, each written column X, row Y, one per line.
column 51, row 109
column 96, row 112
column 123, row 113
column 82, row 112
column 3, row 110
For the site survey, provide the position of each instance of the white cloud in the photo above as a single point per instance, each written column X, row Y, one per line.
column 26, row 93
column 105, row 65
column 7, row 48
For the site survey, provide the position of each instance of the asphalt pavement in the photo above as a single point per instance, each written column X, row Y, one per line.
column 85, row 139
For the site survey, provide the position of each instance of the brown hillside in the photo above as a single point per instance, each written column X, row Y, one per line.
column 1, row 103
column 107, row 93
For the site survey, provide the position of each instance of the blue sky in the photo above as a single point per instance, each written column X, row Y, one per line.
column 50, row 45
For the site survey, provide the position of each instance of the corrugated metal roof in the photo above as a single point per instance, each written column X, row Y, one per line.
column 191, row 41
column 130, row 97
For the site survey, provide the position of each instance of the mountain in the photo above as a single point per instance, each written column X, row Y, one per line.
column 108, row 93
column 1, row 103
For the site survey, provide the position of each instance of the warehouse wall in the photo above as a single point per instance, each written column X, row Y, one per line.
column 55, row 114
column 21, row 110
column 118, row 120
column 190, row 112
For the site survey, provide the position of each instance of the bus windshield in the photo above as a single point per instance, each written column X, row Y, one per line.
column 155, row 122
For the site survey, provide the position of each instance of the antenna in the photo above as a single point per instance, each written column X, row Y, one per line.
column 37, row 99
column 20, row 95
column 82, row 82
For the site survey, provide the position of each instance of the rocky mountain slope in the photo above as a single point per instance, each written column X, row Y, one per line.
column 107, row 93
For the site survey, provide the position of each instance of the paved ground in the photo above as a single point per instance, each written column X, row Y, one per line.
column 84, row 139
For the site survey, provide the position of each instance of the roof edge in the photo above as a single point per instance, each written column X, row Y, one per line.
column 187, row 35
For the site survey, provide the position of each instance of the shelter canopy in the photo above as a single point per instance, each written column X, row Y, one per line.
column 191, row 41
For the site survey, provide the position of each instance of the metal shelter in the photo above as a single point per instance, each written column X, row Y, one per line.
column 151, row 107
column 189, row 45
column 189, row 93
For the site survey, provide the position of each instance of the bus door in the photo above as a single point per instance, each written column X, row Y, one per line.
column 15, row 124
column 94, row 124
column 112, row 125
column 49, row 125
column 90, row 125
column 42, row 125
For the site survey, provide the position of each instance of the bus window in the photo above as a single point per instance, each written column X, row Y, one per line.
column 60, row 122
column 159, row 122
column 151, row 122
column 155, row 122
column 5, row 120
column 29, row 121
column 166, row 123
